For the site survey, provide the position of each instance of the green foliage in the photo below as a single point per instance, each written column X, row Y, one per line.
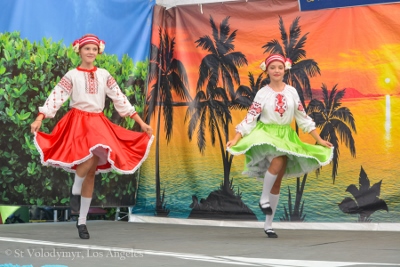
column 28, row 73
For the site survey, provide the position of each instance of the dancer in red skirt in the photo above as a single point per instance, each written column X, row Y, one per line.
column 84, row 141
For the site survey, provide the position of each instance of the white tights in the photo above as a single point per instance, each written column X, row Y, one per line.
column 269, row 180
column 273, row 200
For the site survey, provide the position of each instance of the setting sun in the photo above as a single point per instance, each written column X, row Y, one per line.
column 388, row 83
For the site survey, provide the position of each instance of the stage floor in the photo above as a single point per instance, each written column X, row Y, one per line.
column 116, row 243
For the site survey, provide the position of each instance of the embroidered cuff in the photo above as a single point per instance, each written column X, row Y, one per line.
column 241, row 131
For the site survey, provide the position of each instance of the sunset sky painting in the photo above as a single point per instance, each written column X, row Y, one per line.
column 357, row 49
column 352, row 46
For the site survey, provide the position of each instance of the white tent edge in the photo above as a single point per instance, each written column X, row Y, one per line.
column 173, row 3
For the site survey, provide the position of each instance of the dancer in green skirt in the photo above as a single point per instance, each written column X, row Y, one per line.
column 272, row 148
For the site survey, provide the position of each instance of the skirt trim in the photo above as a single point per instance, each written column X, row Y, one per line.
column 81, row 135
column 68, row 166
column 256, row 174
column 283, row 151
column 268, row 141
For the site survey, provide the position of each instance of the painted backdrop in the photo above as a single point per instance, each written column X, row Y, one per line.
column 204, row 73
column 35, row 52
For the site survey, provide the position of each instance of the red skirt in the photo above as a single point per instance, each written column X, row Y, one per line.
column 79, row 135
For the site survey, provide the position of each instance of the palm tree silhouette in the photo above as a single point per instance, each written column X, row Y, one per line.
column 244, row 95
column 292, row 47
column 218, row 71
column 295, row 213
column 336, row 122
column 222, row 61
column 366, row 199
column 168, row 75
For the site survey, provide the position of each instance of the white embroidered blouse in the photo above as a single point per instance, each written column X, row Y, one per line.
column 276, row 108
column 87, row 90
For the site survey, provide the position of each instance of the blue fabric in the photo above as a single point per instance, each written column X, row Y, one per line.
column 323, row 4
column 125, row 25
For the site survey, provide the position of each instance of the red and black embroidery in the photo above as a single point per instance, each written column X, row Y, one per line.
column 57, row 93
column 65, row 84
column 91, row 83
column 54, row 99
column 280, row 104
column 254, row 110
column 111, row 83
column 301, row 108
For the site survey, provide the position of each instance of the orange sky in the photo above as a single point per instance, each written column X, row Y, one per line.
column 355, row 47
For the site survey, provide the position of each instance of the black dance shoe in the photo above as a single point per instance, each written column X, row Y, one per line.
column 266, row 208
column 271, row 233
column 83, row 231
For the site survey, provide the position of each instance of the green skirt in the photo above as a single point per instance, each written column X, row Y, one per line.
column 268, row 141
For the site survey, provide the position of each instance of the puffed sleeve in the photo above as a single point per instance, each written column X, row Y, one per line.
column 305, row 122
column 57, row 97
column 250, row 121
column 121, row 102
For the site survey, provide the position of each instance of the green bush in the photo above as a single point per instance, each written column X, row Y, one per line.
column 28, row 73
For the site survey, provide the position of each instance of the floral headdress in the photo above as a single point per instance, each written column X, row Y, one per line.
column 88, row 39
column 276, row 57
